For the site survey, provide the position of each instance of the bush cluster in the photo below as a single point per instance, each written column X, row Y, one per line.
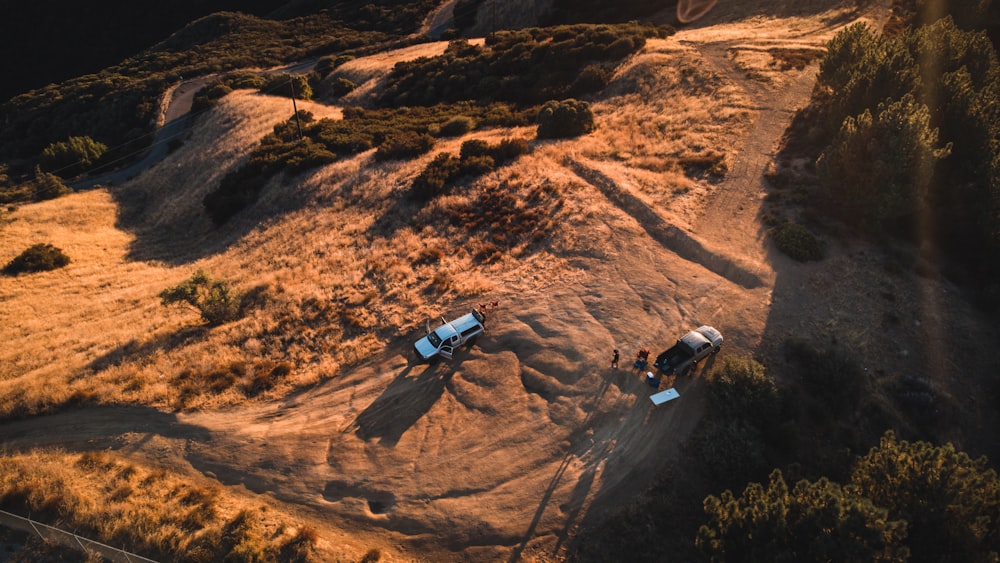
column 919, row 109
column 477, row 157
column 745, row 408
column 566, row 118
column 579, row 11
column 903, row 502
column 408, row 131
column 798, row 242
column 525, row 67
column 37, row 258
column 404, row 145
column 71, row 157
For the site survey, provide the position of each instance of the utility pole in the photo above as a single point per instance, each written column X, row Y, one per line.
column 298, row 124
column 493, row 35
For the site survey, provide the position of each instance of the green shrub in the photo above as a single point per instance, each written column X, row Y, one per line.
column 950, row 501
column 404, row 145
column 341, row 87
column 208, row 95
column 509, row 149
column 741, row 388
column 474, row 147
column 457, row 126
column 37, row 258
column 525, row 66
column 566, row 118
column 477, row 157
column 433, row 179
column 798, row 243
column 288, row 85
column 47, row 186
column 592, row 78
column 71, row 157
column 215, row 300
column 476, row 165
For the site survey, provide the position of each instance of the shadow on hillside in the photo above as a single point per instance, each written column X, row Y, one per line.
column 405, row 401
column 191, row 236
column 97, row 428
column 134, row 349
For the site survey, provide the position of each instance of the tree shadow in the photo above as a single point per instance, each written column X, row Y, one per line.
column 96, row 428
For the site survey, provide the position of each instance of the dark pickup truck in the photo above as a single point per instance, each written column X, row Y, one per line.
column 689, row 349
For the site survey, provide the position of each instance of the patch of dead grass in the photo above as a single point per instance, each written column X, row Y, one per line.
column 155, row 512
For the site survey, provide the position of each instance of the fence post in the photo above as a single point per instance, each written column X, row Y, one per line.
column 36, row 530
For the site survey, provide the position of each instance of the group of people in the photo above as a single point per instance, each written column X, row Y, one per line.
column 641, row 359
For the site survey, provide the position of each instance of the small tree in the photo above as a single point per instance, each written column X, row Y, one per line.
column 214, row 299
column 72, row 156
column 900, row 150
column 48, row 186
column 566, row 118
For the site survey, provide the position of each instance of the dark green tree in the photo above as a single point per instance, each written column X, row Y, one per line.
column 819, row 521
column 47, row 186
column 878, row 170
column 72, row 156
column 950, row 501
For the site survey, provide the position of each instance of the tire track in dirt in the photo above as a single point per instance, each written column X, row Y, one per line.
column 669, row 236
column 732, row 216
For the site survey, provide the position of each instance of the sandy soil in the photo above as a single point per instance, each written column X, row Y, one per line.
column 502, row 453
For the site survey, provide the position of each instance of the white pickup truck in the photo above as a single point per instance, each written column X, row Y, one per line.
column 688, row 350
column 442, row 341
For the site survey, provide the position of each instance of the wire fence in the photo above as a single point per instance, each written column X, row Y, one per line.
column 48, row 534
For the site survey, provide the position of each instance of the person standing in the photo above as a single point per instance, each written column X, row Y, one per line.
column 614, row 360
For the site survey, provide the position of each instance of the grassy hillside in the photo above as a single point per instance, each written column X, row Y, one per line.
column 438, row 194
column 118, row 106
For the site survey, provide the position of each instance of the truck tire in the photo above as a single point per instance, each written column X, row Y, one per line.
column 716, row 349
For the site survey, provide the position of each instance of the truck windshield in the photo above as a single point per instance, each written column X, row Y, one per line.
column 434, row 339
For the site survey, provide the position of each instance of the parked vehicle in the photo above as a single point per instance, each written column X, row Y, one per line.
column 442, row 341
column 689, row 350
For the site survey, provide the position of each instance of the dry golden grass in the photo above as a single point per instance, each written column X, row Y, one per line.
column 338, row 269
column 154, row 512
column 343, row 269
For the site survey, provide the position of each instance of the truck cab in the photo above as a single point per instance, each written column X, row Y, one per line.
column 443, row 340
